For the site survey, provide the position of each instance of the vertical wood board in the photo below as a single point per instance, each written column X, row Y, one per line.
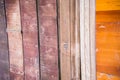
column 75, row 39
column 48, row 39
column 87, row 39
column 30, row 39
column 64, row 39
column 15, row 39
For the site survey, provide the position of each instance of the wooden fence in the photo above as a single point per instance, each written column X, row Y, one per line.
column 47, row 40
column 28, row 40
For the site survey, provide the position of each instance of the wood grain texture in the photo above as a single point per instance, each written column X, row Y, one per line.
column 108, row 42
column 15, row 39
column 107, row 16
column 87, row 39
column 48, row 39
column 64, row 42
column 75, row 39
column 107, row 5
column 30, row 39
column 4, row 59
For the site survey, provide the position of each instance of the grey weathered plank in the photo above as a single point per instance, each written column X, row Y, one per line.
column 48, row 39
column 15, row 39
column 4, row 58
column 30, row 39
column 87, row 39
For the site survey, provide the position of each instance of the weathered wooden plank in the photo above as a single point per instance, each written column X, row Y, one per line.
column 64, row 39
column 75, row 39
column 4, row 59
column 15, row 39
column 87, row 39
column 30, row 39
column 48, row 39
column 107, row 5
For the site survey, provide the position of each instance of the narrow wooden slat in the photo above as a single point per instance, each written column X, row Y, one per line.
column 75, row 42
column 48, row 39
column 64, row 36
column 107, row 5
column 87, row 39
column 93, row 39
column 4, row 59
column 30, row 39
column 15, row 39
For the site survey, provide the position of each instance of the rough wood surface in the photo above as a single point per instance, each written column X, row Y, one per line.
column 30, row 39
column 48, row 39
column 75, row 39
column 64, row 36
column 4, row 58
column 87, row 39
column 15, row 39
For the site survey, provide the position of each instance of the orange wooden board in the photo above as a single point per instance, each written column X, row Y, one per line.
column 108, row 44
column 107, row 5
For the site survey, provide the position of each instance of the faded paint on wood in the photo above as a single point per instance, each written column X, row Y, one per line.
column 15, row 39
column 30, row 39
column 48, row 39
column 4, row 58
column 64, row 39
column 87, row 39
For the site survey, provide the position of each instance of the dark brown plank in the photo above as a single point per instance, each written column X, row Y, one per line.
column 4, row 63
column 30, row 39
column 48, row 39
column 15, row 39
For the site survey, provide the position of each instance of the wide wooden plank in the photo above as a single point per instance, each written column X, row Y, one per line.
column 15, row 39
column 107, row 44
column 30, row 39
column 48, row 39
column 107, row 5
column 4, row 59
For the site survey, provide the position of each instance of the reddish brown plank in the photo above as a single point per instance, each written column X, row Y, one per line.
column 15, row 39
column 48, row 39
column 30, row 39
column 4, row 63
